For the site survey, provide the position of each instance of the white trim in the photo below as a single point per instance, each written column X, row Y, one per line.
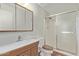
column 63, row 52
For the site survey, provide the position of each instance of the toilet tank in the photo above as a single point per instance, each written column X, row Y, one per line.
column 41, row 42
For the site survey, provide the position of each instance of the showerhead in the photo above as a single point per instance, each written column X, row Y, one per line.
column 50, row 17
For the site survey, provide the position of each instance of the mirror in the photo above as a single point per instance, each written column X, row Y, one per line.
column 20, row 17
column 15, row 17
column 29, row 20
column 24, row 19
column 7, row 19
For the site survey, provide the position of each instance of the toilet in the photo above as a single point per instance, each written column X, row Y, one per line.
column 43, row 49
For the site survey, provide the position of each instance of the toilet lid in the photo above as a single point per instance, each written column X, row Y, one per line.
column 46, row 51
column 47, row 47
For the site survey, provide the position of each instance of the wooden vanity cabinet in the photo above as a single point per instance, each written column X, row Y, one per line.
column 34, row 51
column 25, row 53
column 28, row 50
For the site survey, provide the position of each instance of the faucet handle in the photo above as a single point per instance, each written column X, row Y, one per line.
column 19, row 37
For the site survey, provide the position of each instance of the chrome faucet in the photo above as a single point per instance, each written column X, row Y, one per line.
column 19, row 38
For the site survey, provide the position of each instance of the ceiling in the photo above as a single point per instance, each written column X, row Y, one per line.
column 54, row 8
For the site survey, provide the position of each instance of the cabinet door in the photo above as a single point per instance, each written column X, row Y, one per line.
column 25, row 53
column 20, row 17
column 34, row 51
column 7, row 19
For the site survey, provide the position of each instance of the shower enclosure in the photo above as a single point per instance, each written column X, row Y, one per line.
column 65, row 32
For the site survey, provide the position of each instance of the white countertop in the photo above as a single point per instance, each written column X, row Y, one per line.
column 15, row 45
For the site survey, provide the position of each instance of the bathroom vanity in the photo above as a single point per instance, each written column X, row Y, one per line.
column 22, row 48
column 28, row 50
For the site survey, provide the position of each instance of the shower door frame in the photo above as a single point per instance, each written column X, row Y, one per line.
column 75, row 34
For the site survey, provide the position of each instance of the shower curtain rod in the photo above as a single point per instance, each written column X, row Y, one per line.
column 62, row 13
